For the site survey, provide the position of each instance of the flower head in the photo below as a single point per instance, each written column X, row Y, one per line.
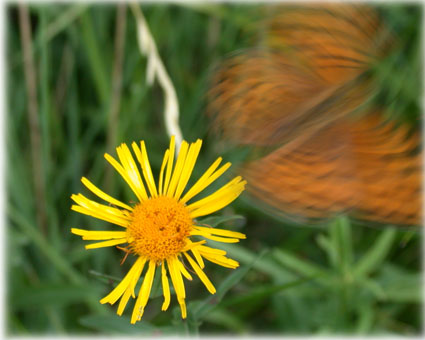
column 158, row 230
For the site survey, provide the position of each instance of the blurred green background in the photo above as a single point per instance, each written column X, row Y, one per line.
column 341, row 278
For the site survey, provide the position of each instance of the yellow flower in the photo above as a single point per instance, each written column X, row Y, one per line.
column 159, row 228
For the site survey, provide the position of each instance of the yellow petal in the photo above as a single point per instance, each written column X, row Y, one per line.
column 124, row 301
column 221, row 260
column 131, row 168
column 135, row 184
column 182, row 304
column 106, row 243
column 142, row 157
column 199, row 184
column 98, row 235
column 188, row 167
column 103, row 195
column 147, row 171
column 130, row 288
column 221, row 232
column 189, row 244
column 117, row 292
column 176, row 277
column 100, row 214
column 217, row 202
column 213, row 251
column 144, row 293
column 204, row 278
column 198, row 257
column 161, row 173
column 165, row 288
column 184, row 271
column 226, row 189
column 214, row 238
column 169, row 164
column 100, row 211
column 206, row 179
column 178, row 169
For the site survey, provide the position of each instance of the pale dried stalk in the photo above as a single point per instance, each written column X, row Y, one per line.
column 156, row 69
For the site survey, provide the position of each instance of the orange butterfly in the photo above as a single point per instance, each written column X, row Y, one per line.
column 305, row 95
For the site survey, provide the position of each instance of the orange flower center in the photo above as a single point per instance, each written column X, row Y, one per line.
column 159, row 228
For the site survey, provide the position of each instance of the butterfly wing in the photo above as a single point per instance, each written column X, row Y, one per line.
column 312, row 181
column 367, row 167
column 315, row 58
column 338, row 41
column 389, row 171
column 305, row 96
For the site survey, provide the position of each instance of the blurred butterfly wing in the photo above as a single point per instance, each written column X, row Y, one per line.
column 299, row 98
column 366, row 167
column 389, row 171
column 254, row 93
column 338, row 41
column 258, row 96
column 324, row 109
column 263, row 98
column 311, row 182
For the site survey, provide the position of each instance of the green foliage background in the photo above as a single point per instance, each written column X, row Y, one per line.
column 341, row 278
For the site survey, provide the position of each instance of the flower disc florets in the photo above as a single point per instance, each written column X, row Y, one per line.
column 159, row 228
